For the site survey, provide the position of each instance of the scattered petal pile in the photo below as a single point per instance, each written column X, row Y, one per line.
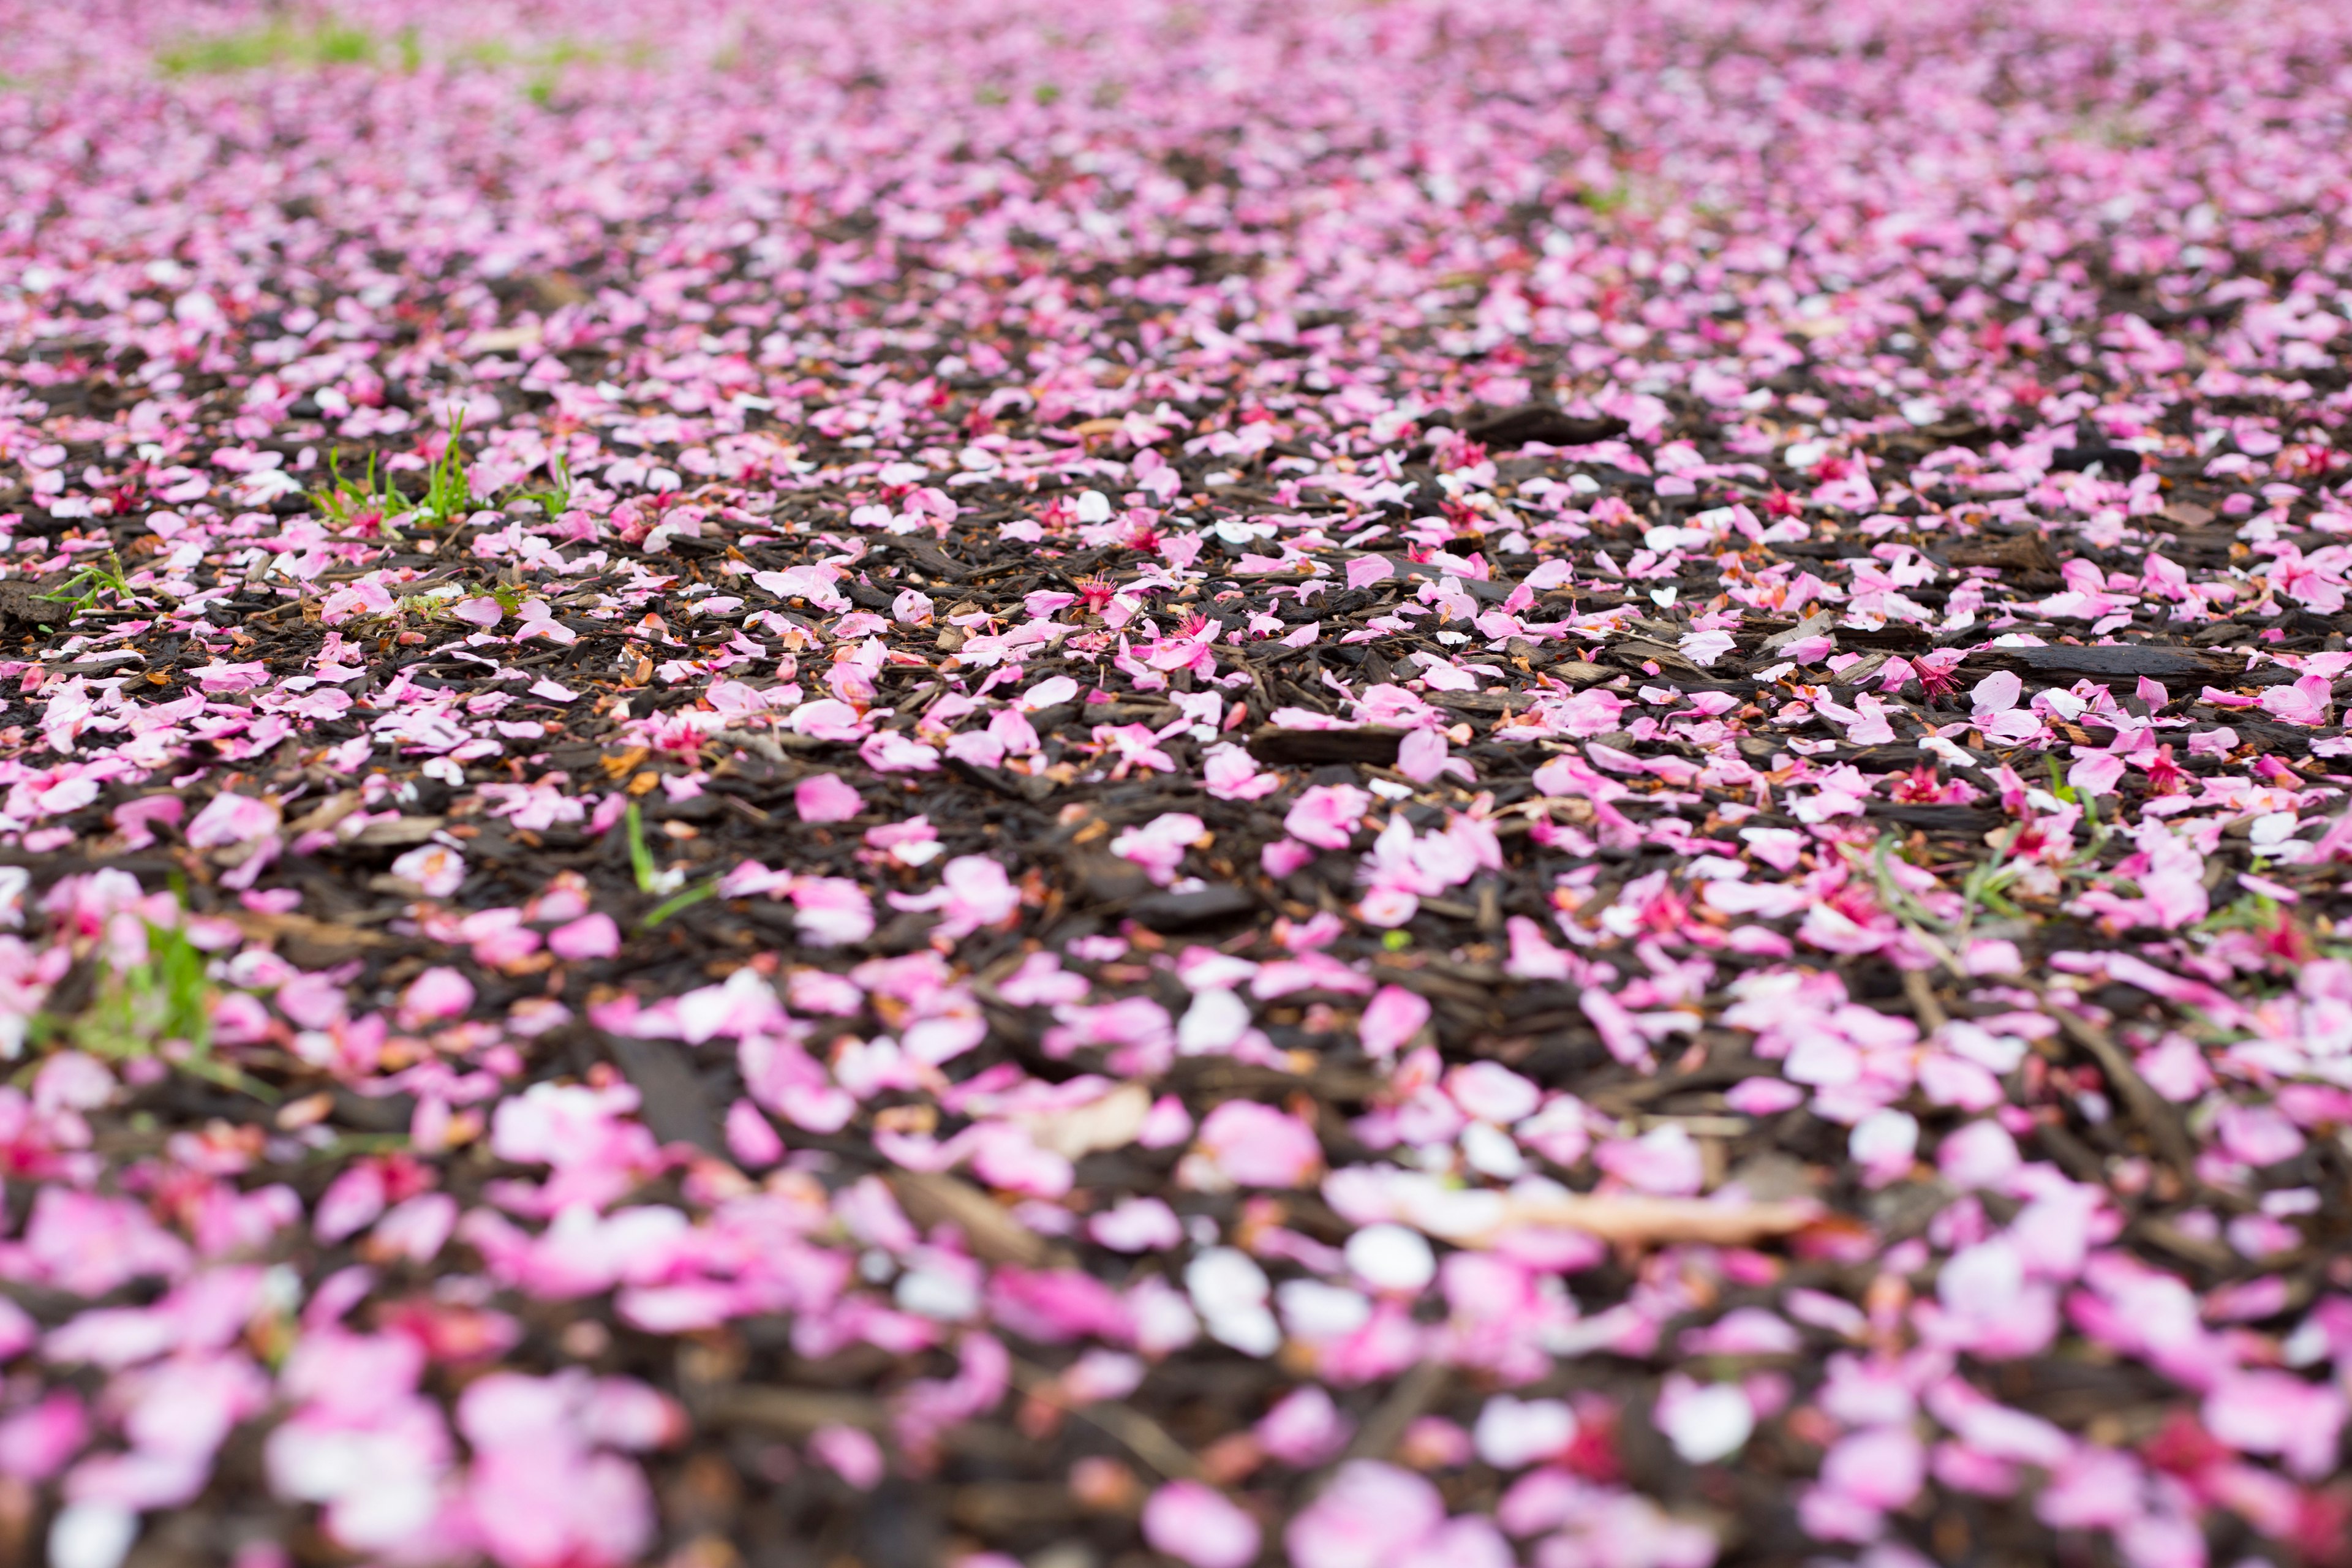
column 1363, row 786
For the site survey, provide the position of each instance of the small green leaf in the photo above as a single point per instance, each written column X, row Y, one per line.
column 641, row 859
column 686, row 900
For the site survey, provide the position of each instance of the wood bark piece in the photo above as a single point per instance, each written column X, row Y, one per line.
column 1292, row 747
column 1540, row 422
column 932, row 1197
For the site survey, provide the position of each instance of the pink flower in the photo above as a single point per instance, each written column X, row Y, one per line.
column 2265, row 1412
column 1996, row 693
column 228, row 819
column 888, row 751
column 1304, row 1427
column 1131, row 746
column 2257, row 1134
column 1704, row 1422
column 1512, row 1433
column 37, row 1442
column 221, row 678
column 1665, row 1159
column 436, row 869
column 913, row 842
column 1422, row 757
column 1492, row 1092
column 1390, row 1020
column 1370, row 1515
column 1053, row 689
column 830, row 718
column 1468, row 1542
column 849, row 1453
column 135, row 820
column 831, row 911
column 1159, row 846
column 1041, row 981
column 788, row 1081
column 1763, row 1096
column 751, row 1138
column 437, row 994
column 1881, row 1467
column 1132, row 1021
column 1199, row 1526
column 1229, row 773
column 590, row 936
column 1136, row 1225
column 365, row 597
column 1588, row 713
column 1883, row 1144
column 541, row 1496
column 1980, row 1154
column 2173, row 887
column 2095, row 774
column 1705, row 647
column 535, row 619
column 974, row 890
column 1864, row 723
column 1257, row 1146
column 1326, row 815
column 351, row 1202
column 417, row 1229
column 1282, row 857
column 2305, row 702
column 2094, row 1488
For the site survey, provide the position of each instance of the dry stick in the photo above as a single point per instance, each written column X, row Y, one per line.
column 1923, row 1001
column 2181, row 1244
column 2153, row 1110
column 797, row 1412
column 1145, row 1439
column 2164, row 1129
column 993, row 1235
column 1637, row 1221
column 1413, row 1393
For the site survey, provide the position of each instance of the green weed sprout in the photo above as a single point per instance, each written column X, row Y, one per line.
column 448, row 490
column 450, row 486
column 345, row 499
column 280, row 44
column 143, row 1009
column 91, row 579
column 556, row 499
column 652, row 880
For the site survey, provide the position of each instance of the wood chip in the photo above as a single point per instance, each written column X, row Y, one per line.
column 1637, row 1221
column 934, row 1197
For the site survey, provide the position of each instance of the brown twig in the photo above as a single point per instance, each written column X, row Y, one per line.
column 1144, row 1437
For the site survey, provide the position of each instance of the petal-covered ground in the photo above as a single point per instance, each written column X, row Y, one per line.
column 1370, row 785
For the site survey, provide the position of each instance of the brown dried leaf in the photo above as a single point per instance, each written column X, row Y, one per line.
column 257, row 924
column 327, row 813
column 931, row 1197
column 399, row 832
column 1637, row 1221
column 1110, row 1122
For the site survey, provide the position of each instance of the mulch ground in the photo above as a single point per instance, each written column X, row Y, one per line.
column 1409, row 784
